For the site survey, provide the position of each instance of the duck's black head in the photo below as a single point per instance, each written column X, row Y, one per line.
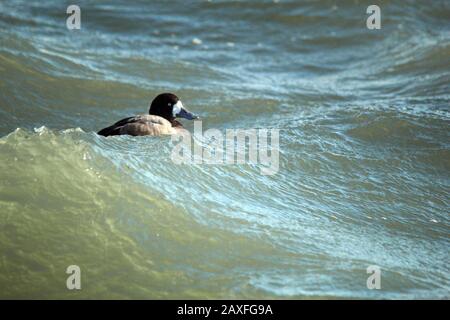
column 169, row 106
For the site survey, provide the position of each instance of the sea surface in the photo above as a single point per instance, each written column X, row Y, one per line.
column 364, row 156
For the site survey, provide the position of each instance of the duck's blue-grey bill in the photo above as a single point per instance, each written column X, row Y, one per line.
column 186, row 114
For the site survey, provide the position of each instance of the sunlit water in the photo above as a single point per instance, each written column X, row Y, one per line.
column 364, row 150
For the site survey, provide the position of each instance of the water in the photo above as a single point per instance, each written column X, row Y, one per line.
column 364, row 150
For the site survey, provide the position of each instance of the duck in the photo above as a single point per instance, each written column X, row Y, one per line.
column 161, row 120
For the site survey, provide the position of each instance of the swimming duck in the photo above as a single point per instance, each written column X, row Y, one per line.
column 160, row 120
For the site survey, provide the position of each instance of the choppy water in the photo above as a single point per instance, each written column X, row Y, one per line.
column 364, row 150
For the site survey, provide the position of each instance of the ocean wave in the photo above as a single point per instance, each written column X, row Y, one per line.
column 363, row 160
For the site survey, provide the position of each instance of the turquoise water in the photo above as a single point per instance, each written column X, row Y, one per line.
column 364, row 156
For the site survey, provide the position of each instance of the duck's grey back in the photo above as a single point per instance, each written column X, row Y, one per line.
column 141, row 125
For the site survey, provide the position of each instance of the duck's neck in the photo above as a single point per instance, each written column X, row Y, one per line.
column 176, row 123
